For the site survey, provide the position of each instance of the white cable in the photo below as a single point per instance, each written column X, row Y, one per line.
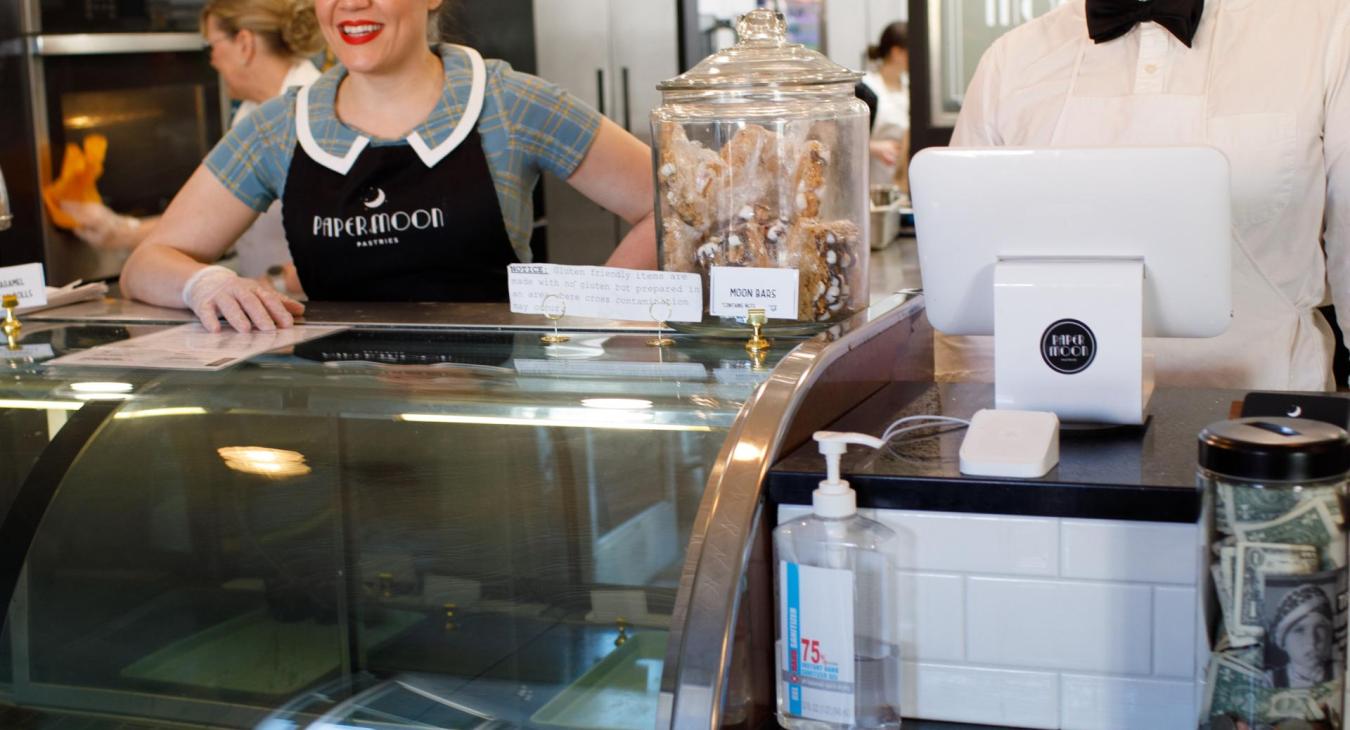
column 931, row 422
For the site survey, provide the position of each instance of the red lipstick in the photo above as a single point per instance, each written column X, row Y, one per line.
column 357, row 32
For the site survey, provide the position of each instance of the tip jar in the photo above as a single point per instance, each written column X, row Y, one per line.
column 1276, row 488
column 760, row 157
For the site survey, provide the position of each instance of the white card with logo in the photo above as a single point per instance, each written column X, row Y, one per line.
column 27, row 282
column 603, row 292
column 734, row 290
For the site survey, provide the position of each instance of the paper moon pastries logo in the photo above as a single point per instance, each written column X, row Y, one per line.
column 1068, row 346
column 374, row 198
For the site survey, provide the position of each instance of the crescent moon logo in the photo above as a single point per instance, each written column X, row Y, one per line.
column 1295, row 412
column 374, row 199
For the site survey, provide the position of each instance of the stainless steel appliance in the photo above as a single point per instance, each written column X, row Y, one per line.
column 134, row 71
column 611, row 54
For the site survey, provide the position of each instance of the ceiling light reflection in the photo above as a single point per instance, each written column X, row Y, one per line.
column 588, row 422
column 158, row 412
column 617, row 404
column 263, row 461
column 42, row 405
column 102, row 387
column 747, row 451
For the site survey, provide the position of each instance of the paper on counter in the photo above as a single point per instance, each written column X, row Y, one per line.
column 72, row 293
column 191, row 347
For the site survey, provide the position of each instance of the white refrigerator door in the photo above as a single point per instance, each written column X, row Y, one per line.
column 645, row 45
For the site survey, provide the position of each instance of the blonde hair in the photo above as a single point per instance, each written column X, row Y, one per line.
column 288, row 27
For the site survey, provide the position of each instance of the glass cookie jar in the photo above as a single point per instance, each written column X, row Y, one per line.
column 761, row 161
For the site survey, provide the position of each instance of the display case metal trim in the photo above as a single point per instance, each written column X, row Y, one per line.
column 39, row 489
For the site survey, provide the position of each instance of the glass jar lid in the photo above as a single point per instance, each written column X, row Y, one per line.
column 763, row 57
column 1275, row 449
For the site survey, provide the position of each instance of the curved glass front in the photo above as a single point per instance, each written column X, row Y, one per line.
column 375, row 530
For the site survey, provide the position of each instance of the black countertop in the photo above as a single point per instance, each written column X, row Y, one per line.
column 1144, row 473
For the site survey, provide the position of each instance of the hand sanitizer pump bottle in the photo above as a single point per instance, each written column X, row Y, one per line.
column 838, row 657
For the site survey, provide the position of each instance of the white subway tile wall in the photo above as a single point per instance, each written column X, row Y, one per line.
column 964, row 543
column 1174, row 630
column 1141, row 552
column 935, row 603
column 1094, row 627
column 989, row 696
column 1047, row 623
column 1117, row 703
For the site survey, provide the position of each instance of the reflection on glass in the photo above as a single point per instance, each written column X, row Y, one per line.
column 275, row 463
column 96, row 387
column 162, row 412
column 511, row 550
column 617, row 404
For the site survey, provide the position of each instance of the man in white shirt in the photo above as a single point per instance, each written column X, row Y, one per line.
column 1265, row 81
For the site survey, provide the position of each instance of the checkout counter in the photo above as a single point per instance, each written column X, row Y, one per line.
column 408, row 524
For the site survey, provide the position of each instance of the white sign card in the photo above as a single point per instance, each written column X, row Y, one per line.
column 25, row 281
column 191, row 347
column 27, row 352
column 734, row 290
column 604, row 292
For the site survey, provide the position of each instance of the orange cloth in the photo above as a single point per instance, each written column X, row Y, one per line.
column 80, row 170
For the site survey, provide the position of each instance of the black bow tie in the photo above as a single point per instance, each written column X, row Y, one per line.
column 1111, row 19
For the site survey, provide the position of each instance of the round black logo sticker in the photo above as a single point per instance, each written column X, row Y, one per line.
column 1068, row 346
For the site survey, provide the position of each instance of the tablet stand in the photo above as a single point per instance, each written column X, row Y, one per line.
column 1068, row 338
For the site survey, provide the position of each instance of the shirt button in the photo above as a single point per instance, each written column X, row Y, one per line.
column 1151, row 68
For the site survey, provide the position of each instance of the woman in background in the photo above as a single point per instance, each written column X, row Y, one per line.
column 260, row 48
column 889, row 80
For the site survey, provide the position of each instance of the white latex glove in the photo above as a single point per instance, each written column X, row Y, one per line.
column 100, row 227
column 215, row 292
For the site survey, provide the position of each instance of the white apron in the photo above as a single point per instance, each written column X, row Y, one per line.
column 1271, row 344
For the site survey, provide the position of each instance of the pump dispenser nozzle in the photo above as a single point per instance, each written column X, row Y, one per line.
column 834, row 498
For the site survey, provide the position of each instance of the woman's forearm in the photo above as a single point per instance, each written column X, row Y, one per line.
column 155, row 274
column 637, row 250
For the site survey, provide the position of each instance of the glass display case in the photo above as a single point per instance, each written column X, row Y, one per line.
column 442, row 527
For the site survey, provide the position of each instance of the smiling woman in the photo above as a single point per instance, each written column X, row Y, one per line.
column 406, row 174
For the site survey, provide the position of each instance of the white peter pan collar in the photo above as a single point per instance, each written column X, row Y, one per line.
column 430, row 156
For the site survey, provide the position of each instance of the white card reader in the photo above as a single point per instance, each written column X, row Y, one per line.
column 1006, row 443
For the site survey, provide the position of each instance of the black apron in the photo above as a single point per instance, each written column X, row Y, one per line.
column 394, row 229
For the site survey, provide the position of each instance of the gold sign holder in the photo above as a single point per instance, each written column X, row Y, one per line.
column 757, row 343
column 660, row 340
column 12, row 325
column 553, row 316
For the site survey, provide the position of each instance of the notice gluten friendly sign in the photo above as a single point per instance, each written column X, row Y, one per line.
column 604, row 292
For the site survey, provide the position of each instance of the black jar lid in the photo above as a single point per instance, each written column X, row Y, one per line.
column 1275, row 449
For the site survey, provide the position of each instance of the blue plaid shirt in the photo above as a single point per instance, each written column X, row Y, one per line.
column 527, row 125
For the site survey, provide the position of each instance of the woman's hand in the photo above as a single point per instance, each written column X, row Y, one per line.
column 100, row 227
column 216, row 292
column 888, row 151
